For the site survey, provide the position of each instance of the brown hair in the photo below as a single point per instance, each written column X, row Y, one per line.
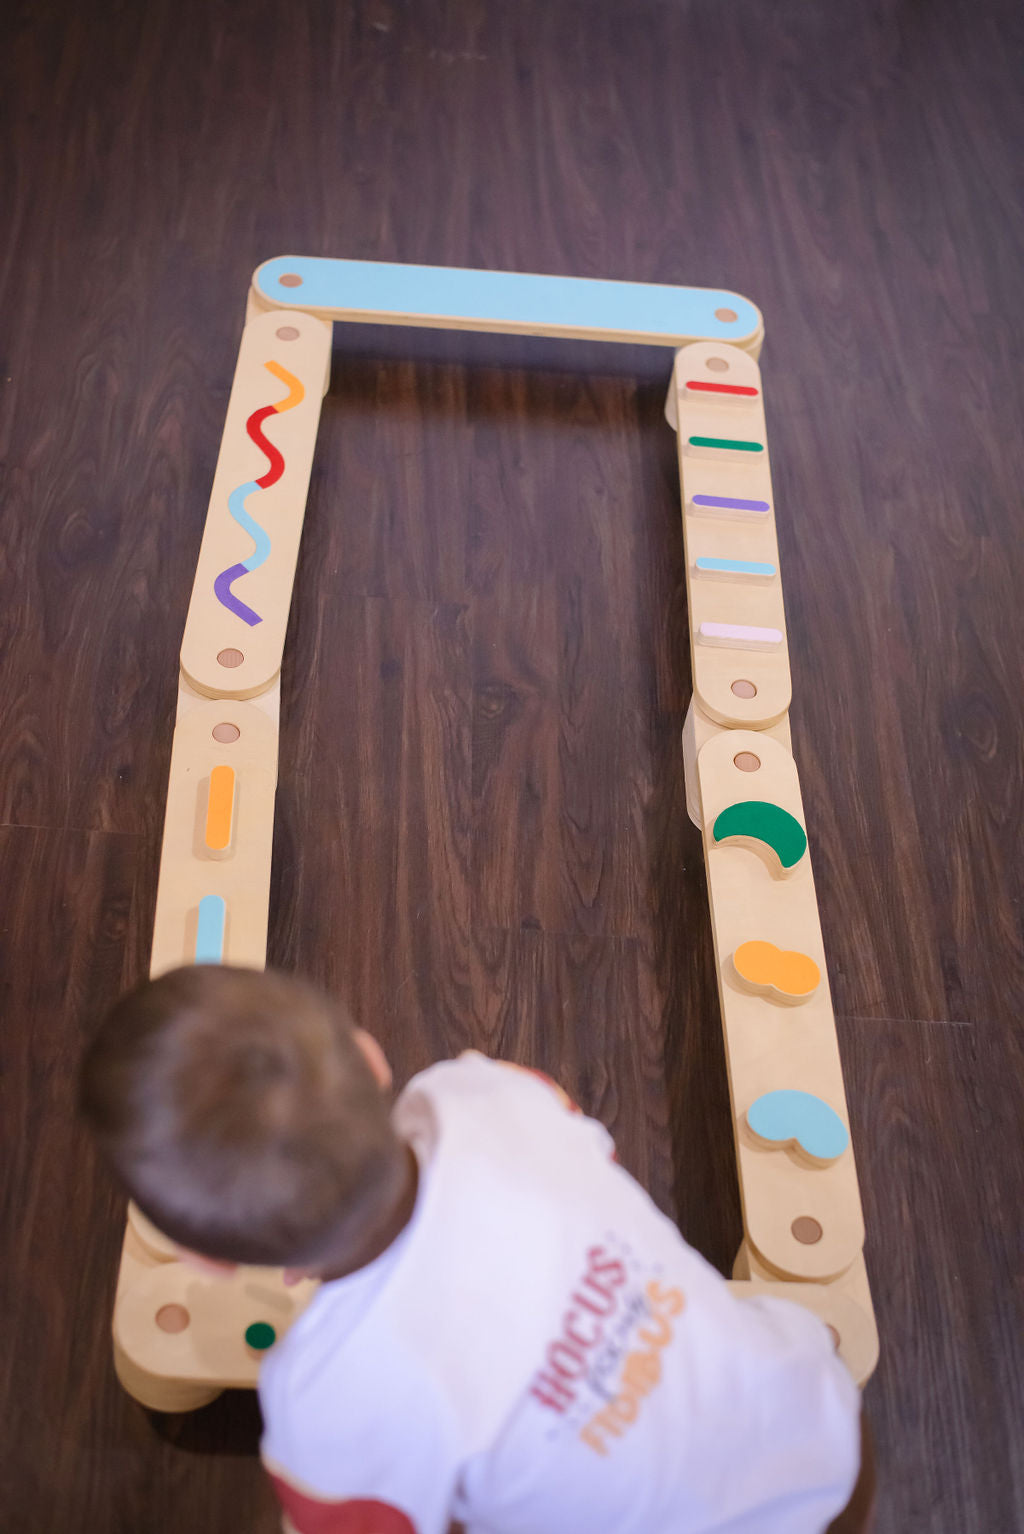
column 241, row 1115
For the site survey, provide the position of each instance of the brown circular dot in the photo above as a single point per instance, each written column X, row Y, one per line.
column 293, row 280
column 744, row 689
column 746, row 761
column 230, row 658
column 226, row 734
column 287, row 333
column 172, row 1318
column 806, row 1230
column 836, row 1339
column 727, row 316
column 718, row 365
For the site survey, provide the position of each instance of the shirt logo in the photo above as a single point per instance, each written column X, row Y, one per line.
column 641, row 1372
column 591, row 1306
column 607, row 1358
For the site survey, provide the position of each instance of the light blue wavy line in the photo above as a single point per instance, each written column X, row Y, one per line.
column 236, row 506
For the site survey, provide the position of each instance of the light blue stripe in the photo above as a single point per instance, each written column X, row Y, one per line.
column 383, row 291
column 210, row 932
column 735, row 566
column 236, row 506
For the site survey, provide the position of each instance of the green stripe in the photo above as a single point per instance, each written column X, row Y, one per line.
column 729, row 442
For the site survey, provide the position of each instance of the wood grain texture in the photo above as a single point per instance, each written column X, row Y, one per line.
column 482, row 837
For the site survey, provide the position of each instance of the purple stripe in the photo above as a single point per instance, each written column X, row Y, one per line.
column 730, row 502
column 222, row 591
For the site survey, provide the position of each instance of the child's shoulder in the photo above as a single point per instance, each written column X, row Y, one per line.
column 475, row 1073
column 494, row 1100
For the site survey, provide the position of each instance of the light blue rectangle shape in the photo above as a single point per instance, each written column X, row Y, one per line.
column 210, row 931
column 734, row 566
column 384, row 292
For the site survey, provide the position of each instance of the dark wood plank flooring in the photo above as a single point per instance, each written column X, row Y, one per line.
column 482, row 837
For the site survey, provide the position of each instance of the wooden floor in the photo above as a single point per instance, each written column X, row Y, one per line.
column 482, row 837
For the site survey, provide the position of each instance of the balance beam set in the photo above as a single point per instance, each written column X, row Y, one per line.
column 179, row 1338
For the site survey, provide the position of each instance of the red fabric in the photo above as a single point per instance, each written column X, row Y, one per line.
column 361, row 1515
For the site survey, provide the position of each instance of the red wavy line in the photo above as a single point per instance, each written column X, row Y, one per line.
column 254, row 426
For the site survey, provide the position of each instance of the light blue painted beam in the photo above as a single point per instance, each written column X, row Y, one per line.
column 455, row 298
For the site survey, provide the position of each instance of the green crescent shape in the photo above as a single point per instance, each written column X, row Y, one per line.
column 757, row 820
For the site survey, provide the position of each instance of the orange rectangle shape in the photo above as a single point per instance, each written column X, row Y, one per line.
column 220, row 809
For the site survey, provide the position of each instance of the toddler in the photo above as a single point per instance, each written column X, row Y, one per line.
column 507, row 1332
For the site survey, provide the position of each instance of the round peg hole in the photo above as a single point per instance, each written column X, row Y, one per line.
column 746, row 761
column 226, row 734
column 230, row 658
column 717, row 364
column 744, row 689
column 260, row 1336
column 172, row 1318
column 727, row 316
column 836, row 1339
column 287, row 333
column 806, row 1230
column 293, row 280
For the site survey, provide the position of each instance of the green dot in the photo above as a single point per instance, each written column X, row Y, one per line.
column 260, row 1336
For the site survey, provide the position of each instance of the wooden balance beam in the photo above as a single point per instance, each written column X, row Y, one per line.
column 179, row 1339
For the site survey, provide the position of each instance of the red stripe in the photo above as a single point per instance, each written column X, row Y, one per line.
column 276, row 459
column 713, row 388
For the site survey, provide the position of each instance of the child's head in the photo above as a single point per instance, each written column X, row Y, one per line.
column 243, row 1114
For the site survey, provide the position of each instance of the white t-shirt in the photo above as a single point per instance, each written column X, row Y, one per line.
column 540, row 1352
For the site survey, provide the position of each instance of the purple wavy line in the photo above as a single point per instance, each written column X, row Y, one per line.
column 222, row 591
